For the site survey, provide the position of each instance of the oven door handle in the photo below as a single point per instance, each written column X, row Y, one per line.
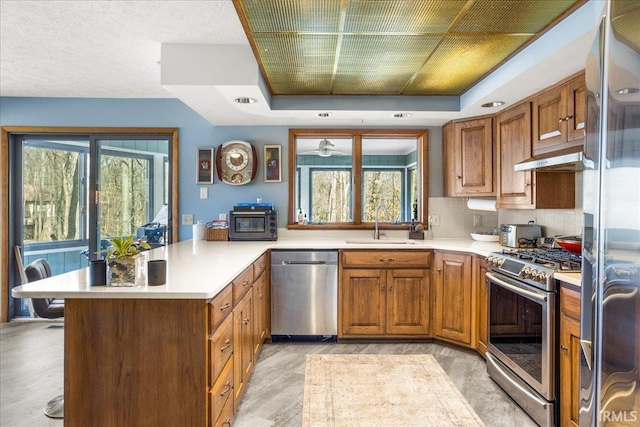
column 507, row 376
column 516, row 289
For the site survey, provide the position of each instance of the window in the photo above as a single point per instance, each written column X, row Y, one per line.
column 342, row 175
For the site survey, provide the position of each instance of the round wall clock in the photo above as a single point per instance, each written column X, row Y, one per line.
column 236, row 162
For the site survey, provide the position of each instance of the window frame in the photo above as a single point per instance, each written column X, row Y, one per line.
column 357, row 135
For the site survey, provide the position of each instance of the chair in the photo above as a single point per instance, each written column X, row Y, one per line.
column 48, row 308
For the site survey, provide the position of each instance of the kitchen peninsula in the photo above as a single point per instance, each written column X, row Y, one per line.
column 152, row 355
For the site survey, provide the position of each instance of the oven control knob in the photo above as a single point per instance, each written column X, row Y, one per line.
column 542, row 277
column 499, row 262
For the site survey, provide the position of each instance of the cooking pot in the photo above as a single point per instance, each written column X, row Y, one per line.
column 571, row 243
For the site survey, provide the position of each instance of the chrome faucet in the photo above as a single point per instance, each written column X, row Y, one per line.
column 376, row 233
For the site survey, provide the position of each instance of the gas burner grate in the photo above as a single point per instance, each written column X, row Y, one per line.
column 557, row 259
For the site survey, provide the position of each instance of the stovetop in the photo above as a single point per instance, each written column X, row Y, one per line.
column 534, row 266
column 554, row 258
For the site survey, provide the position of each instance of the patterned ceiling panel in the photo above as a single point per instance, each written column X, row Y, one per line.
column 624, row 15
column 460, row 61
column 388, row 47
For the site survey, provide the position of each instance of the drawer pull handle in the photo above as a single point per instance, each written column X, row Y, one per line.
column 227, row 422
column 245, row 282
column 261, row 296
column 227, row 305
column 227, row 344
column 246, row 321
column 390, row 287
column 226, row 390
column 564, row 348
column 260, row 266
column 386, row 259
column 382, row 287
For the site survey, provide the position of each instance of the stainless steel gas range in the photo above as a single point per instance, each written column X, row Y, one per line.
column 521, row 355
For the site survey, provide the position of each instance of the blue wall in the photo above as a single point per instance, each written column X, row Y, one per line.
column 194, row 132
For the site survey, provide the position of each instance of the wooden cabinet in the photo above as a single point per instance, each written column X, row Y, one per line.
column 243, row 346
column 468, row 156
column 569, row 355
column 526, row 189
column 452, row 305
column 261, row 308
column 559, row 117
column 378, row 300
column 481, row 290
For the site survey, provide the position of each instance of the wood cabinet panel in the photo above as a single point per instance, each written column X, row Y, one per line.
column 221, row 348
column 242, row 284
column 226, row 415
column 386, row 259
column 474, row 157
column 482, row 307
column 243, row 345
column 569, row 356
column 259, row 266
column 452, row 297
column 261, row 305
column 559, row 117
column 407, row 302
column 220, row 307
column 113, row 345
column 363, row 298
column 513, row 141
column 221, row 391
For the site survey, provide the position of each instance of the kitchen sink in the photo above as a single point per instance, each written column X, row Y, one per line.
column 372, row 241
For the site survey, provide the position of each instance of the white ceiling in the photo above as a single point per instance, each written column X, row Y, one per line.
column 111, row 49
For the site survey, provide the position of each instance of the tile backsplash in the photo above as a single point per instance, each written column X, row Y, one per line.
column 456, row 220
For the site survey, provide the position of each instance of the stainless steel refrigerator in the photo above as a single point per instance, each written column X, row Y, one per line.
column 610, row 313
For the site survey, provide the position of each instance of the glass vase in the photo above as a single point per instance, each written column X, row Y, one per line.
column 126, row 272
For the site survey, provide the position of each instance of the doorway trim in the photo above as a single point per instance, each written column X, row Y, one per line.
column 6, row 131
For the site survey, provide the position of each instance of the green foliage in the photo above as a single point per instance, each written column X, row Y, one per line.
column 124, row 247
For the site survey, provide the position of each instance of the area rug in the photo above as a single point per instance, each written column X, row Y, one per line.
column 381, row 390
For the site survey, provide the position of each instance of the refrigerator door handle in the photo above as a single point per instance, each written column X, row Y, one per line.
column 587, row 349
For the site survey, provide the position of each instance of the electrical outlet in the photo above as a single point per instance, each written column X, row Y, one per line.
column 477, row 220
column 434, row 220
column 187, row 219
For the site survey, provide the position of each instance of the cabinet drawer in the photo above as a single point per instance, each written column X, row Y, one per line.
column 220, row 307
column 395, row 259
column 259, row 266
column 221, row 348
column 242, row 284
column 570, row 302
column 226, row 416
column 222, row 391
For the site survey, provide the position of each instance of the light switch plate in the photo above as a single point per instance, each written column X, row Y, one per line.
column 434, row 220
column 187, row 219
column 204, row 193
column 477, row 220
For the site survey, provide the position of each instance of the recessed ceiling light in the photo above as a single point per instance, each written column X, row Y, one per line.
column 325, row 114
column 493, row 104
column 402, row 115
column 628, row 90
column 245, row 100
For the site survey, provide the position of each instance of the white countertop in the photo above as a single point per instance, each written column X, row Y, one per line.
column 201, row 269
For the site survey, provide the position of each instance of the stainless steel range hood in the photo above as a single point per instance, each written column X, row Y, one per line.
column 567, row 160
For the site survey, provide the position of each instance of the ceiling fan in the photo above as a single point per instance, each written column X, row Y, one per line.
column 325, row 149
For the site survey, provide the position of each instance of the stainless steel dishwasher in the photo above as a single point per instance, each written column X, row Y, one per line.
column 304, row 295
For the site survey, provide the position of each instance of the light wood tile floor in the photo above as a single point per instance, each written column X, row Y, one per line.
column 31, row 373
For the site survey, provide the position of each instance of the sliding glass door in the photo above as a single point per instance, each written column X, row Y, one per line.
column 72, row 194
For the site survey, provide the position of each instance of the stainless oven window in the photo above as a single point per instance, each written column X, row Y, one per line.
column 515, row 329
column 250, row 224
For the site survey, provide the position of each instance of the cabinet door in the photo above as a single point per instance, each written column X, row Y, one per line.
column 473, row 158
column 243, row 346
column 549, row 124
column 363, row 301
column 260, row 308
column 407, row 302
column 452, row 297
column 577, row 111
column 513, row 139
column 482, row 297
column 448, row 160
column 569, row 357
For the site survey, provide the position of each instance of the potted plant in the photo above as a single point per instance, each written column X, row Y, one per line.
column 125, row 264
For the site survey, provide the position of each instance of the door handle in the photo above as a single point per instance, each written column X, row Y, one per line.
column 383, row 287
